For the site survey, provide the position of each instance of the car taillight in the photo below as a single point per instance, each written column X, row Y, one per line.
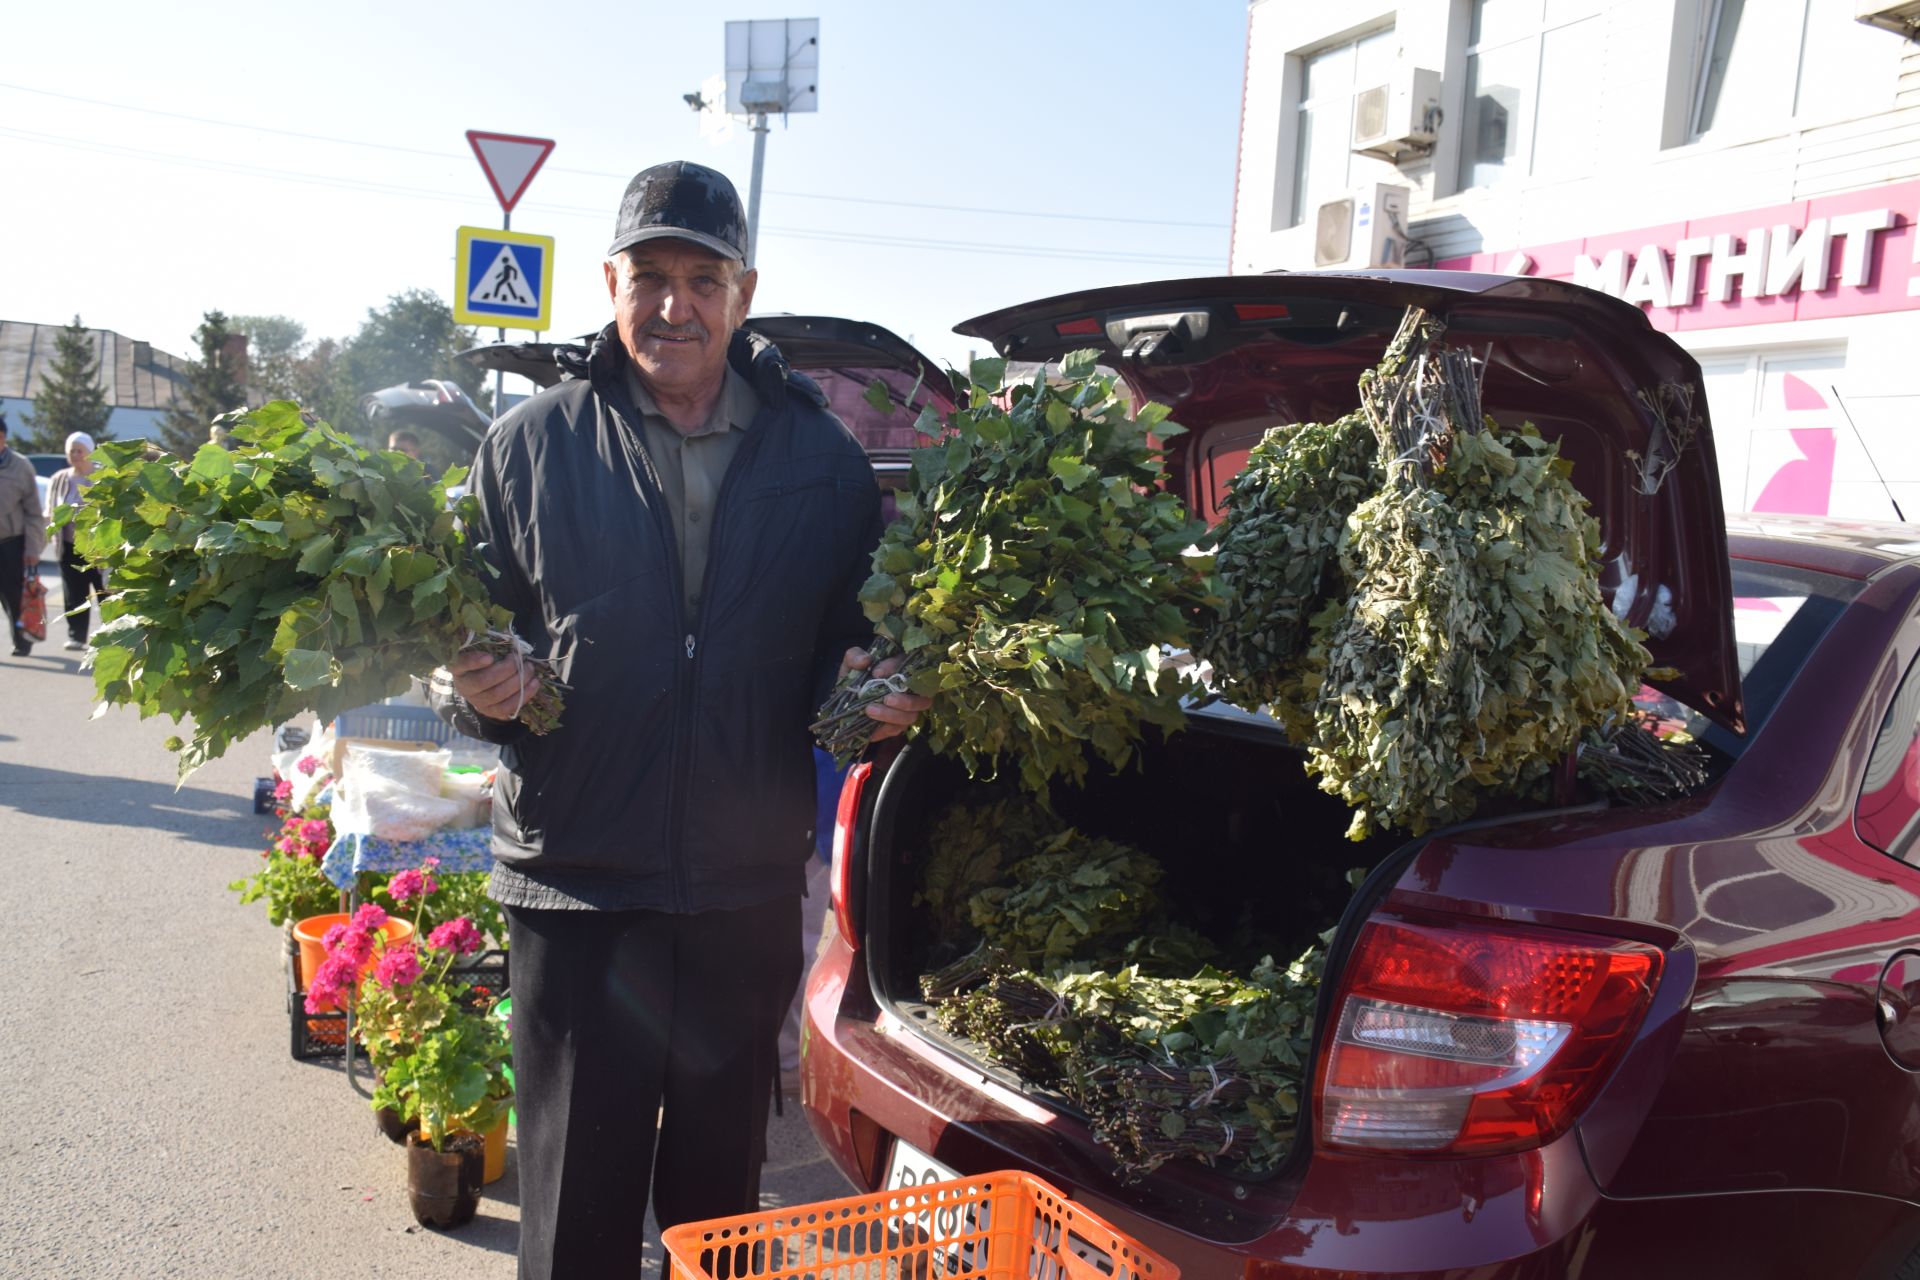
column 844, row 818
column 1470, row 1038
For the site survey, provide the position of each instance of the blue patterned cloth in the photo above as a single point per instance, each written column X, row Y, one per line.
column 467, row 850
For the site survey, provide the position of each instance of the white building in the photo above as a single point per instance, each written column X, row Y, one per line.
column 1747, row 171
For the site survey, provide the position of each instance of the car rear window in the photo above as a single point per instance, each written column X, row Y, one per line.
column 1780, row 614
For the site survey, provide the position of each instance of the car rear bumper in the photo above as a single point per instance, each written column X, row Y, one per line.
column 869, row 1080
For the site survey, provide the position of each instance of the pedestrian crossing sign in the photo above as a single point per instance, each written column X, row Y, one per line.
column 502, row 279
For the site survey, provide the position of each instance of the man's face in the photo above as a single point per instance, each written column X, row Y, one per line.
column 675, row 306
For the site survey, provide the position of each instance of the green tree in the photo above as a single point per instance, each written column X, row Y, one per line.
column 413, row 337
column 71, row 397
column 214, row 386
column 275, row 347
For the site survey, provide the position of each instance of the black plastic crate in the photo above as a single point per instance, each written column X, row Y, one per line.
column 312, row 1035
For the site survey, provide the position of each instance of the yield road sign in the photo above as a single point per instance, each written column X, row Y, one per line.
column 509, row 161
column 502, row 278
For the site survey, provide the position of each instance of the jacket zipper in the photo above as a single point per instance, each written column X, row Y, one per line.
column 687, row 683
column 716, row 544
column 684, row 686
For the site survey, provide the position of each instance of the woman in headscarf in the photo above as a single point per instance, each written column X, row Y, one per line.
column 82, row 581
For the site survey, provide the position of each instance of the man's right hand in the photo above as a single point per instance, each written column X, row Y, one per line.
column 494, row 687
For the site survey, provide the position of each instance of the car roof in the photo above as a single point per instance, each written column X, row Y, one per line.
column 1845, row 548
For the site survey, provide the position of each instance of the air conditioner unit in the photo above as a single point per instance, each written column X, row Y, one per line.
column 1365, row 228
column 1903, row 17
column 1398, row 118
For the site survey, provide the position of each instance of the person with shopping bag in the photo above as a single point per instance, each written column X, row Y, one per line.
column 22, row 535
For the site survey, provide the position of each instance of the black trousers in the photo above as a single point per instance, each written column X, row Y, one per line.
column 616, row 1015
column 82, row 583
column 12, row 578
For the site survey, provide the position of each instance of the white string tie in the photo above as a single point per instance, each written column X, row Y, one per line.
column 1213, row 1092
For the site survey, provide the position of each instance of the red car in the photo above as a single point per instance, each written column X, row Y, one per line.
column 1596, row 1040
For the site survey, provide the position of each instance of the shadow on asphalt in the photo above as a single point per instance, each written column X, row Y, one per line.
column 487, row 1230
column 204, row 816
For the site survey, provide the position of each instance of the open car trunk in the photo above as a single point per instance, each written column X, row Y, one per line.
column 1255, row 857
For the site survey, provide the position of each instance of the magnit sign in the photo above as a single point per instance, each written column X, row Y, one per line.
column 1841, row 255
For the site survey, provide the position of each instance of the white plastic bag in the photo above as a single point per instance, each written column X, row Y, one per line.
column 392, row 795
column 474, row 791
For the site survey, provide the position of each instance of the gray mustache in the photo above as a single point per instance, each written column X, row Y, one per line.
column 694, row 330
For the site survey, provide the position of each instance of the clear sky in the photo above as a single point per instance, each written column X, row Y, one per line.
column 311, row 160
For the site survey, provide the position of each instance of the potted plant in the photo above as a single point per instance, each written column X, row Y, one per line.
column 441, row 1060
column 289, row 880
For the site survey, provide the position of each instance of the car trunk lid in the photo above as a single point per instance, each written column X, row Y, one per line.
column 1233, row 356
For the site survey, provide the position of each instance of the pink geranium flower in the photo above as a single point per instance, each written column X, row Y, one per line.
column 370, row 916
column 357, row 946
column 333, row 936
column 331, row 982
column 459, row 934
column 398, row 967
column 307, row 764
column 283, row 790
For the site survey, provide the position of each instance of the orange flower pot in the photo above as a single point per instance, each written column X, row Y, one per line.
column 309, row 933
column 496, row 1151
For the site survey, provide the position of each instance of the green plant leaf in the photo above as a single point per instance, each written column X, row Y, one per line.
column 211, row 463
column 309, row 668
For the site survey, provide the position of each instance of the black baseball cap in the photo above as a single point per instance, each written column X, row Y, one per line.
column 682, row 201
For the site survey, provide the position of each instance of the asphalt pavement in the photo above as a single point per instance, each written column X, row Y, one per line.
column 152, row 1120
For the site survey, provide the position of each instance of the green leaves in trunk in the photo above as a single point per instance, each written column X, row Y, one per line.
column 293, row 572
column 1034, row 574
column 1081, row 981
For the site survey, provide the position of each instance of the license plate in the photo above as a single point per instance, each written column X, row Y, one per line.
column 953, row 1226
column 909, row 1166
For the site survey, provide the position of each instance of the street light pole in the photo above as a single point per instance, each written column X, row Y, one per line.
column 758, row 123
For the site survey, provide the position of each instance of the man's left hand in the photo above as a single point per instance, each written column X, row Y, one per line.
column 896, row 712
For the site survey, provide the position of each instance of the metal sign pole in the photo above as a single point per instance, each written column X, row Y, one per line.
column 758, row 123
column 500, row 375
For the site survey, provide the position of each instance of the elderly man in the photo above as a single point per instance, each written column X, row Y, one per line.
column 22, row 535
column 684, row 529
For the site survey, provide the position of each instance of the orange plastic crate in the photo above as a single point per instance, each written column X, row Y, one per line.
column 998, row 1226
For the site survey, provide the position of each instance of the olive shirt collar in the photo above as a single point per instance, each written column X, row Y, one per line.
column 735, row 407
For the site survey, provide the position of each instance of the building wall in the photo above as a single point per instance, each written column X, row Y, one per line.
column 141, row 383
column 1812, row 386
column 124, row 423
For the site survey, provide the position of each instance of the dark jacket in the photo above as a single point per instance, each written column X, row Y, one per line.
column 682, row 777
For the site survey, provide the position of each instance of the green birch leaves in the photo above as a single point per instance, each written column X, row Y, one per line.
column 1034, row 574
column 292, row 572
column 1427, row 621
